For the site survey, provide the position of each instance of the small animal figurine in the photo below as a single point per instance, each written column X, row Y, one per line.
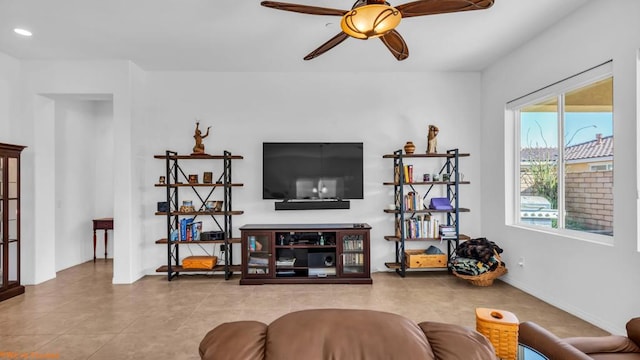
column 432, row 142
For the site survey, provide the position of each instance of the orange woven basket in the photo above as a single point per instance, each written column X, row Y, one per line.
column 501, row 328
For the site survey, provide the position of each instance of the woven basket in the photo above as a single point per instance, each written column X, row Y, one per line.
column 501, row 328
column 485, row 279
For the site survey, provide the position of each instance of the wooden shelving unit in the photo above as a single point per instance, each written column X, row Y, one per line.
column 450, row 166
column 177, row 181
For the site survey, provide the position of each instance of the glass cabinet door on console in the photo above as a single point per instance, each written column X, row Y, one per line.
column 355, row 260
column 257, row 254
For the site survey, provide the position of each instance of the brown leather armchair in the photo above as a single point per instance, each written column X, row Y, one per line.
column 612, row 347
column 344, row 334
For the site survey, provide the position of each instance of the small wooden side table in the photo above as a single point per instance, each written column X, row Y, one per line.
column 101, row 224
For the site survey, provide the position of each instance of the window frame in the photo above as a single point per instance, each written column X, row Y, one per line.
column 556, row 90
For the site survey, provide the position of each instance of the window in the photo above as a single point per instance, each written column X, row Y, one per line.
column 565, row 155
column 601, row 167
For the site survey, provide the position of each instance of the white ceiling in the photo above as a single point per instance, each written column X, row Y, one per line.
column 241, row 35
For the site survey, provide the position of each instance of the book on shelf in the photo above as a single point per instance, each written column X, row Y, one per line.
column 356, row 259
column 188, row 233
column 352, row 243
column 184, row 234
column 196, row 230
column 190, row 230
column 258, row 261
column 413, row 201
column 422, row 226
column 408, row 174
column 285, row 261
column 435, row 224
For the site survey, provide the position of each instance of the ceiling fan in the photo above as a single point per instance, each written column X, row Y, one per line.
column 376, row 18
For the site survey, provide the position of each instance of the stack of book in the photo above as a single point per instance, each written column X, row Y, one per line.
column 421, row 227
column 448, row 232
column 413, row 201
column 190, row 230
column 353, row 259
column 352, row 242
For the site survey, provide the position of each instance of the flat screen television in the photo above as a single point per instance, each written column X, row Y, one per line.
column 312, row 170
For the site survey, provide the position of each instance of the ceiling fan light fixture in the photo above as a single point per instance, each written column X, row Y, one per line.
column 370, row 21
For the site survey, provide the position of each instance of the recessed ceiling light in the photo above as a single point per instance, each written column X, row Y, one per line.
column 22, row 32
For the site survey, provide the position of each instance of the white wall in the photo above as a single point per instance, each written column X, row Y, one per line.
column 102, row 147
column 383, row 110
column 149, row 116
column 589, row 280
column 74, row 181
column 83, row 177
column 9, row 94
column 44, row 80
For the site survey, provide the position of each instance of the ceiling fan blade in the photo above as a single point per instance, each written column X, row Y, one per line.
column 333, row 42
column 432, row 7
column 305, row 9
column 395, row 43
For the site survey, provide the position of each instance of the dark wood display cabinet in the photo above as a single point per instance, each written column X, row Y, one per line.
column 305, row 254
column 10, row 221
column 209, row 208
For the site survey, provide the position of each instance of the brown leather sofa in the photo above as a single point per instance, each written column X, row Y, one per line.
column 612, row 347
column 344, row 334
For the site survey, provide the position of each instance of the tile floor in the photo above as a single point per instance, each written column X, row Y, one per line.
column 81, row 315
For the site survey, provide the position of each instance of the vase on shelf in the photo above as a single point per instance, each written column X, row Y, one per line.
column 409, row 148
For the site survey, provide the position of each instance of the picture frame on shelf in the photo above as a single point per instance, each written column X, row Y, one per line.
column 207, row 177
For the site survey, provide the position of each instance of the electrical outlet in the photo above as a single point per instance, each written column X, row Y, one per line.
column 223, row 247
column 521, row 261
